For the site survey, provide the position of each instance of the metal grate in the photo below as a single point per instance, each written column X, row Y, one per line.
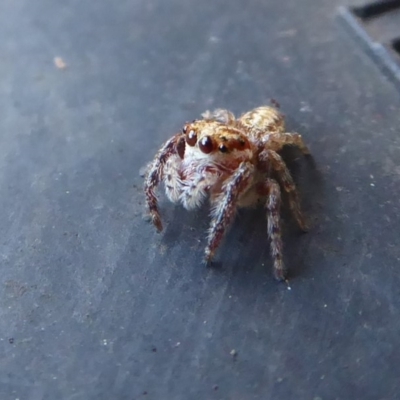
column 396, row 45
column 376, row 25
column 373, row 10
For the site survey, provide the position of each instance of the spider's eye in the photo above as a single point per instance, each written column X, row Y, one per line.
column 222, row 148
column 191, row 138
column 184, row 129
column 206, row 145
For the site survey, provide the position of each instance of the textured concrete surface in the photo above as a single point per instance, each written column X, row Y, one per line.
column 94, row 304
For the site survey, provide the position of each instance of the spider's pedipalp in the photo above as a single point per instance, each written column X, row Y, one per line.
column 225, row 206
column 274, row 227
column 283, row 174
column 193, row 194
column 155, row 174
column 172, row 179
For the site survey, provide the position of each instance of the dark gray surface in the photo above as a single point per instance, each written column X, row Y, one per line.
column 95, row 304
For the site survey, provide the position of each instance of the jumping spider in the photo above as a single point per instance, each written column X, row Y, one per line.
column 232, row 162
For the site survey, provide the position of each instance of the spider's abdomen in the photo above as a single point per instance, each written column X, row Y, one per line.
column 261, row 120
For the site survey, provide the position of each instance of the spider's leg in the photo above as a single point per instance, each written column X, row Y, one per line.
column 220, row 115
column 286, row 180
column 276, row 142
column 155, row 174
column 225, row 206
column 274, row 227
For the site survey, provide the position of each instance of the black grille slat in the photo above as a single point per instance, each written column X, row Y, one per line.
column 376, row 25
column 373, row 10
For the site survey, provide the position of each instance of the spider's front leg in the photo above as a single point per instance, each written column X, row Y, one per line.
column 272, row 189
column 272, row 158
column 175, row 145
column 224, row 206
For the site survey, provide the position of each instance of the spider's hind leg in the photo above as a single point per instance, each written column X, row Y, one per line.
column 286, row 180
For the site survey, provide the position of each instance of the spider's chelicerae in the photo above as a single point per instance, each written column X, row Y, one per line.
column 232, row 162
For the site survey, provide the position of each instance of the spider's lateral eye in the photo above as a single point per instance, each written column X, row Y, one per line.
column 191, row 138
column 222, row 148
column 206, row 145
column 184, row 129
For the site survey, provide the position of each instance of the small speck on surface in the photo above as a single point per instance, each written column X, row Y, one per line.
column 287, row 33
column 305, row 107
column 11, row 340
column 59, row 63
column 215, row 387
column 233, row 353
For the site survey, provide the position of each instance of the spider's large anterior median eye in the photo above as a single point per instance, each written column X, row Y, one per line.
column 191, row 138
column 206, row 145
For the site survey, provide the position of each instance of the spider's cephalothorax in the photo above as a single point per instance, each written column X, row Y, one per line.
column 231, row 161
